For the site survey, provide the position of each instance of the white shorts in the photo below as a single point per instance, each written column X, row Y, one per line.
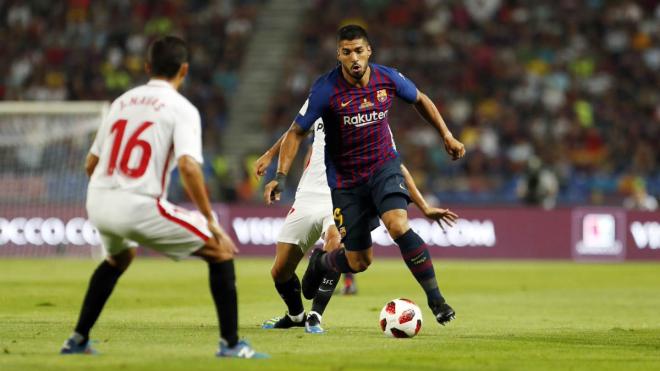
column 309, row 219
column 125, row 220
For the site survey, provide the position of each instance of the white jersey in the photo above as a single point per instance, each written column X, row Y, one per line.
column 314, row 178
column 146, row 130
column 311, row 213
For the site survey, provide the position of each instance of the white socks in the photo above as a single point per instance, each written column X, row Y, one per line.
column 320, row 317
column 297, row 318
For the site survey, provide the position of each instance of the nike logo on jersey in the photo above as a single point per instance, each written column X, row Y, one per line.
column 344, row 104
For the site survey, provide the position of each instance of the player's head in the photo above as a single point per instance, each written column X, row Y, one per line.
column 168, row 59
column 353, row 50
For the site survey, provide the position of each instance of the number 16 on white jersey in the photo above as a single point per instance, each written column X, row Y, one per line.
column 147, row 129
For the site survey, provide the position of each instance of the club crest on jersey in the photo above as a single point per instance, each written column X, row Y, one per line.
column 366, row 104
column 381, row 95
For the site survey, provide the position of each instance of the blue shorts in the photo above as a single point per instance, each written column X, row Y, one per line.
column 356, row 210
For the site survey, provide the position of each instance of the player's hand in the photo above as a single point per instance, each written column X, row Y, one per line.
column 455, row 148
column 221, row 237
column 272, row 192
column 441, row 215
column 262, row 164
column 274, row 188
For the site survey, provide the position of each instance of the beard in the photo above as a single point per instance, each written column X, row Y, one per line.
column 356, row 74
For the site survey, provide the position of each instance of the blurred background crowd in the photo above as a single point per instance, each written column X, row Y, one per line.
column 557, row 101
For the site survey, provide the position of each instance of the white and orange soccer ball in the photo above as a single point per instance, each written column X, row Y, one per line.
column 400, row 318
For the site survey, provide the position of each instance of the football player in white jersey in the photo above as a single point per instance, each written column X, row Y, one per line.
column 148, row 131
column 309, row 218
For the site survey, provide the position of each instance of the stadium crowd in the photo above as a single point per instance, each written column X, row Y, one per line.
column 572, row 85
column 94, row 50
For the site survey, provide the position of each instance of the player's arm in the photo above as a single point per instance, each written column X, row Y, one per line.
column 434, row 213
column 90, row 163
column 264, row 161
column 406, row 90
column 187, row 143
column 288, row 151
column 311, row 110
column 193, row 181
column 93, row 155
column 430, row 113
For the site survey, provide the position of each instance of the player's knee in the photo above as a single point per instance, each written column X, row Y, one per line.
column 212, row 253
column 280, row 273
column 332, row 243
column 331, row 239
column 361, row 264
column 222, row 255
column 122, row 260
column 397, row 227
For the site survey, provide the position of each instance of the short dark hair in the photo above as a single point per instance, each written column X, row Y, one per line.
column 166, row 55
column 352, row 32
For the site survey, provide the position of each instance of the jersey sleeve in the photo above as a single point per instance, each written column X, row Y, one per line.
column 102, row 132
column 405, row 89
column 316, row 103
column 188, row 133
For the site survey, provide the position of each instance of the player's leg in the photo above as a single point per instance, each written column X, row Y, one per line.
column 391, row 198
column 299, row 231
column 222, row 281
column 416, row 255
column 178, row 233
column 287, row 284
column 340, row 260
column 101, row 285
column 354, row 216
column 331, row 241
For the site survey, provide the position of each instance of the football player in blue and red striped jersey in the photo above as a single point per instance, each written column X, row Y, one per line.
column 363, row 167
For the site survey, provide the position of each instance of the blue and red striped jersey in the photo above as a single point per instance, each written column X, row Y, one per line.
column 358, row 139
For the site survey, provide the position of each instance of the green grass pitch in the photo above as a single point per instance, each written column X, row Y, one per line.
column 510, row 316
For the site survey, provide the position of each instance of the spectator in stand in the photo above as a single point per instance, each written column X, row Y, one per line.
column 639, row 198
column 539, row 186
column 74, row 50
column 572, row 82
column 77, row 50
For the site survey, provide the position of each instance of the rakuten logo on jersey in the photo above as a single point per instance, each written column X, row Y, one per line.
column 363, row 119
column 51, row 231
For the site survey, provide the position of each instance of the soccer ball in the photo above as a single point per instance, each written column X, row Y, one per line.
column 400, row 318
